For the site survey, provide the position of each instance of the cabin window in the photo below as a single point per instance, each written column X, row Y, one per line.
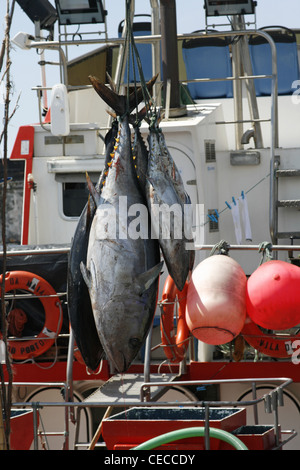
column 74, row 198
column 74, row 192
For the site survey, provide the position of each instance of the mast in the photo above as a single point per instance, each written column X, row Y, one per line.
column 170, row 57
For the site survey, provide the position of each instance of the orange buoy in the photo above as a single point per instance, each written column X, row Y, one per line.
column 273, row 295
column 216, row 305
column 175, row 345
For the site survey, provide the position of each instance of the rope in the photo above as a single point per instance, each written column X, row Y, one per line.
column 162, row 314
column 132, row 52
column 266, row 249
column 246, row 192
column 222, row 247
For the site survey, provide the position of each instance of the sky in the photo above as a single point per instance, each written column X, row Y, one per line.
column 25, row 72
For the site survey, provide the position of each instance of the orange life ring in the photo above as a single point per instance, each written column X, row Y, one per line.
column 268, row 343
column 21, row 280
column 175, row 346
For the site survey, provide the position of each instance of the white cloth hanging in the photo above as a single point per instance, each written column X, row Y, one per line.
column 246, row 218
column 236, row 222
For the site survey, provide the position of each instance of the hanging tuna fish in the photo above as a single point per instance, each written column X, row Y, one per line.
column 273, row 297
column 216, row 306
column 121, row 270
column 165, row 194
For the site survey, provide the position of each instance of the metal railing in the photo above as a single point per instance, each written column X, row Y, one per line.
column 271, row 400
column 155, row 40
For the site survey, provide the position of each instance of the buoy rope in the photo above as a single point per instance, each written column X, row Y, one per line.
column 266, row 249
column 169, row 344
column 222, row 247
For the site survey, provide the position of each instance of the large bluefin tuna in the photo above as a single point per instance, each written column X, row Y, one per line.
column 166, row 201
column 79, row 304
column 123, row 262
column 176, row 179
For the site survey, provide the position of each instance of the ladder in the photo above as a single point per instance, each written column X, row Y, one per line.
column 277, row 174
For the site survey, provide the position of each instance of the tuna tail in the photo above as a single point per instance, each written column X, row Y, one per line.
column 136, row 119
column 118, row 102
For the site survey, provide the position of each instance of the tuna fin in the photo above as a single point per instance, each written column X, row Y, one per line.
column 88, row 213
column 137, row 96
column 111, row 82
column 118, row 102
column 115, row 101
column 145, row 280
column 93, row 192
column 86, row 274
column 136, row 119
column 89, row 275
column 111, row 113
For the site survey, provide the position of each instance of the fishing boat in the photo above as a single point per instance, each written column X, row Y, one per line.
column 223, row 376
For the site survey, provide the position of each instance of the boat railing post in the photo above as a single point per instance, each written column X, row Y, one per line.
column 35, row 425
column 253, row 107
column 237, row 93
column 274, row 137
column 70, row 359
column 268, row 405
column 148, row 357
column 274, row 402
column 69, row 411
column 254, row 396
column 206, row 429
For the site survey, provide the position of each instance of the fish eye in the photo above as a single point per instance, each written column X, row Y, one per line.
column 134, row 343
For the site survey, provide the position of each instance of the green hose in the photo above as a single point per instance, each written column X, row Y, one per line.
column 191, row 432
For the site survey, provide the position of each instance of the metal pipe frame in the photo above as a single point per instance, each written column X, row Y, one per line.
column 153, row 39
column 197, row 248
column 272, row 399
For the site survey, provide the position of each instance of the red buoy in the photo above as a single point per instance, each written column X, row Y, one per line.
column 216, row 300
column 273, row 295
